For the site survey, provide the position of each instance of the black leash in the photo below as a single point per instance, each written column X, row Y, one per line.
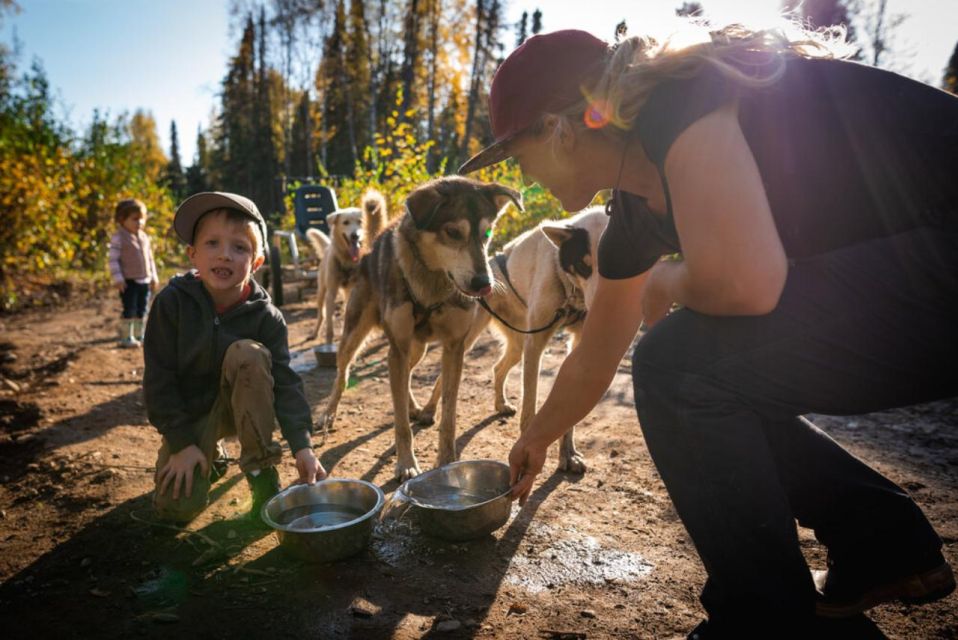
column 501, row 260
column 559, row 314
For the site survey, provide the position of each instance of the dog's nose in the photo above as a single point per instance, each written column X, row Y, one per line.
column 480, row 284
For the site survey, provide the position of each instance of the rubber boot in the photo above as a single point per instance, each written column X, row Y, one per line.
column 126, row 329
column 139, row 329
column 263, row 486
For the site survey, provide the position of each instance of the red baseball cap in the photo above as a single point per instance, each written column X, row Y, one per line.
column 545, row 74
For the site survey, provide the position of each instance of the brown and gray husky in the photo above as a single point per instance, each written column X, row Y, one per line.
column 350, row 230
column 419, row 284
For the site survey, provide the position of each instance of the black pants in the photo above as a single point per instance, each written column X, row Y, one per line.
column 861, row 329
column 135, row 298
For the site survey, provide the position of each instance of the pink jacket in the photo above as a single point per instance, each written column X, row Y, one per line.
column 131, row 257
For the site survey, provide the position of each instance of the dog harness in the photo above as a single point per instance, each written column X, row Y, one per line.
column 574, row 314
column 420, row 312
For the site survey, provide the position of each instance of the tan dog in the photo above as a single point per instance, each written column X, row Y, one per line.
column 350, row 230
column 420, row 283
column 545, row 279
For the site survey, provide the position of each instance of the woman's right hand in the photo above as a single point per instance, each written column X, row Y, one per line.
column 525, row 462
column 178, row 471
column 120, row 286
column 610, row 326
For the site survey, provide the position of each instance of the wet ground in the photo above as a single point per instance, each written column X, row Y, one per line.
column 596, row 556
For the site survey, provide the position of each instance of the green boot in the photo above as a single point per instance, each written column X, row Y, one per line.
column 263, row 486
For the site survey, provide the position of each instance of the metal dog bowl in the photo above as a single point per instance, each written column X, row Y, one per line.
column 330, row 520
column 325, row 355
column 460, row 501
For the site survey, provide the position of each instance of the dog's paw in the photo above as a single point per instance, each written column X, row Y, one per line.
column 424, row 416
column 325, row 422
column 573, row 463
column 505, row 409
column 406, row 471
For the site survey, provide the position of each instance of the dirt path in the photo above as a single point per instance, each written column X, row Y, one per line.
column 595, row 556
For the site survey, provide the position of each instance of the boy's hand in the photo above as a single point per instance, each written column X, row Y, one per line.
column 179, row 471
column 309, row 468
column 120, row 286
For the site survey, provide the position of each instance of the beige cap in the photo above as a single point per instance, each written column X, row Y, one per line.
column 191, row 209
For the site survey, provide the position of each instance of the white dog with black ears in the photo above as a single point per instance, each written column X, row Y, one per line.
column 351, row 230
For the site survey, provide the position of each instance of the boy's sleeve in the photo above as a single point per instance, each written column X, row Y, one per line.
column 292, row 409
column 113, row 258
column 164, row 402
column 151, row 262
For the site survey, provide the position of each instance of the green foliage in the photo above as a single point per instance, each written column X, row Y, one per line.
column 538, row 203
column 57, row 193
column 392, row 123
column 398, row 164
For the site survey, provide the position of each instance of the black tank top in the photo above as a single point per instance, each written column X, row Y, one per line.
column 846, row 152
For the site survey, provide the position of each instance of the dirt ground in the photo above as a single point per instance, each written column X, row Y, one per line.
column 596, row 556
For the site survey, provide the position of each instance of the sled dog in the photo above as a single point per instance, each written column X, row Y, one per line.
column 419, row 283
column 349, row 231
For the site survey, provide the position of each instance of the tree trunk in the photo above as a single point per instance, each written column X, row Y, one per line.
column 435, row 8
column 478, row 62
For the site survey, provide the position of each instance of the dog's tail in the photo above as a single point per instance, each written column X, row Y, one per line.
column 319, row 241
column 374, row 211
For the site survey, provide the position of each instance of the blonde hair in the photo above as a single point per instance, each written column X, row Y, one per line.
column 234, row 216
column 750, row 57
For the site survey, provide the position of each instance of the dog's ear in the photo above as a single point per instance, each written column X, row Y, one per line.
column 575, row 255
column 502, row 195
column 556, row 232
column 331, row 218
column 423, row 203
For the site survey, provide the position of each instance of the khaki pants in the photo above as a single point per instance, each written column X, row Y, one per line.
column 244, row 408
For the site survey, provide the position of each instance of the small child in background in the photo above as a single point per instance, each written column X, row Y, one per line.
column 132, row 268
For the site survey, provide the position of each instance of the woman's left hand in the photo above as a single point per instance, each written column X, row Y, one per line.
column 656, row 301
column 308, row 467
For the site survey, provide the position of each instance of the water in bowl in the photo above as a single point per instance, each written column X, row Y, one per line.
column 318, row 516
column 447, row 496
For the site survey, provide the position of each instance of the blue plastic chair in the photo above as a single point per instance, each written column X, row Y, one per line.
column 311, row 205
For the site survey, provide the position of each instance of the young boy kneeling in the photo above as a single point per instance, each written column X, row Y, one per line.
column 217, row 363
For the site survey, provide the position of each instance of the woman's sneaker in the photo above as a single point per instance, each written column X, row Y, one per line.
column 843, row 593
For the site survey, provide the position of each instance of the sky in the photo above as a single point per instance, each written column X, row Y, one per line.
column 169, row 56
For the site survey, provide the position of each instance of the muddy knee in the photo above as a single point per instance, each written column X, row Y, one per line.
column 247, row 354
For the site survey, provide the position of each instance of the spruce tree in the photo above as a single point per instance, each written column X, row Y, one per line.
column 522, row 28
column 950, row 81
column 336, row 154
column 198, row 173
column 235, row 141
column 357, row 71
column 536, row 22
column 175, row 179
